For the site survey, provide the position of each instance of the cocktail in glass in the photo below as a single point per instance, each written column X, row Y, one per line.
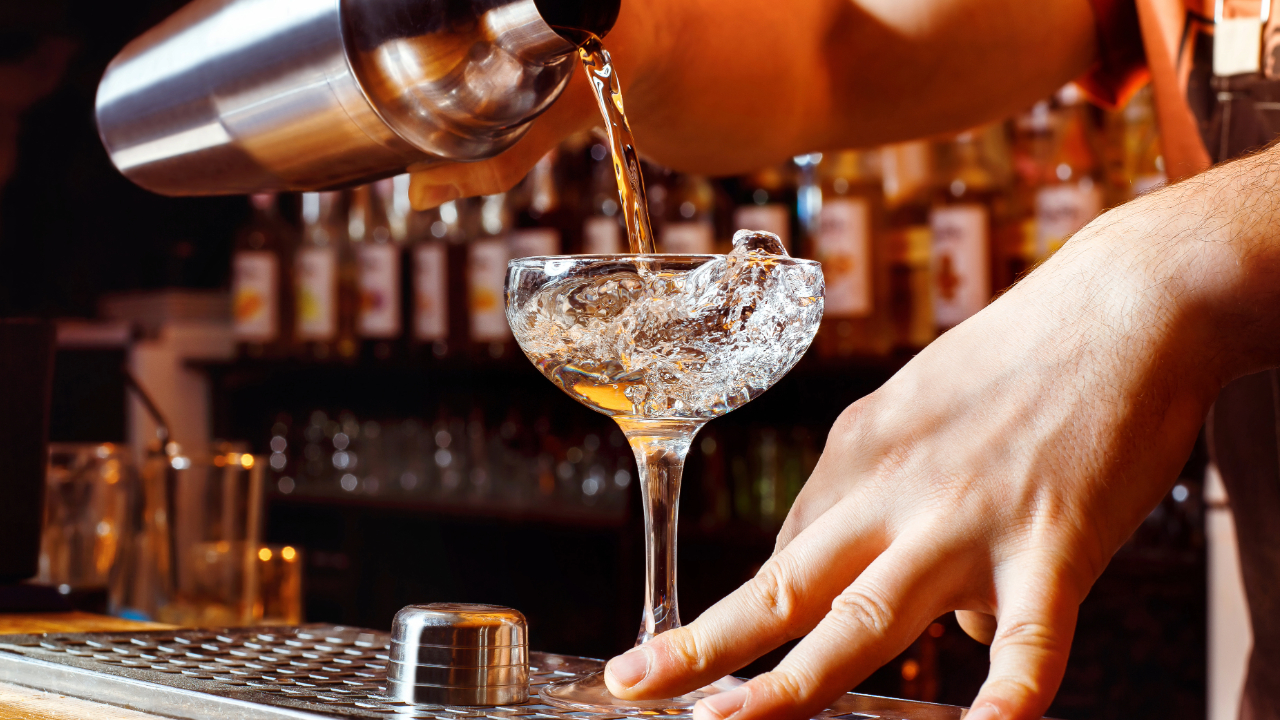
column 662, row 344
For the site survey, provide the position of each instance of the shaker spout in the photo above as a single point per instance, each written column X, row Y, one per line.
column 577, row 20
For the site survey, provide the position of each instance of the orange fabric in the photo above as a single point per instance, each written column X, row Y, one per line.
column 1169, row 50
column 1141, row 40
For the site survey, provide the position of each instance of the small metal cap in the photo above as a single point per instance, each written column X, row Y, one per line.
column 460, row 625
column 459, row 654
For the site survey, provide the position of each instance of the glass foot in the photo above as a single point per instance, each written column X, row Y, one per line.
column 589, row 693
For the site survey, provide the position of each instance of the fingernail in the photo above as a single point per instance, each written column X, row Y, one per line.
column 630, row 667
column 722, row 706
column 983, row 712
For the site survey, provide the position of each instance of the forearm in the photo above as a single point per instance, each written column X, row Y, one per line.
column 722, row 86
column 1188, row 275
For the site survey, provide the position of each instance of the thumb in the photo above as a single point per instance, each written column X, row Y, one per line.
column 1028, row 656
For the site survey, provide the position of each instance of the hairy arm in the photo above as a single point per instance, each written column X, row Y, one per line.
column 1001, row 469
column 726, row 86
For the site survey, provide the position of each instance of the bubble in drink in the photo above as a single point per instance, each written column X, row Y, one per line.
column 668, row 337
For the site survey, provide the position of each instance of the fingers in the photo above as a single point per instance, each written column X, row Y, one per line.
column 433, row 184
column 790, row 594
column 872, row 621
column 1029, row 652
column 835, row 474
column 978, row 625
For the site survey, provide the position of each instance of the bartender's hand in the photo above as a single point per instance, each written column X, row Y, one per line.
column 721, row 87
column 1001, row 469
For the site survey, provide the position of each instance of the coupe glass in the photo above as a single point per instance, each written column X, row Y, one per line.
column 662, row 344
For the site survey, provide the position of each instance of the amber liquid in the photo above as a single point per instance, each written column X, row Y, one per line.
column 626, row 161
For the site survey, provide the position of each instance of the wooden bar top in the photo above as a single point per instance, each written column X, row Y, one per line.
column 19, row 703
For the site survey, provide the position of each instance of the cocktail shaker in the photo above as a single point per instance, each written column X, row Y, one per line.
column 241, row 96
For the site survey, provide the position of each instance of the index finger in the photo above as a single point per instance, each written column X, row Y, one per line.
column 874, row 619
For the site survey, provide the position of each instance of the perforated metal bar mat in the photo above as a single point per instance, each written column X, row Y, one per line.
column 304, row 672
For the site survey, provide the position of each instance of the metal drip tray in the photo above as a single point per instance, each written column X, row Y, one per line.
column 303, row 672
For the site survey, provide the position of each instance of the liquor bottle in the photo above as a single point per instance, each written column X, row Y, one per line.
column 688, row 226
column 431, row 235
column 319, row 294
column 377, row 255
column 1035, row 140
column 808, row 194
column 260, row 305
column 536, row 213
column 766, row 201
column 657, row 180
column 1134, row 141
column 855, row 321
column 602, row 230
column 1071, row 195
column 487, row 257
column 909, row 188
column 962, row 222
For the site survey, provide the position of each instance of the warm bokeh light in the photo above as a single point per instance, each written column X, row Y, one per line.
column 264, row 554
column 910, row 670
column 288, row 553
column 246, row 461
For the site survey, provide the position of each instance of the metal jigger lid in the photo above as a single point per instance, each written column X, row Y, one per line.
column 458, row 625
column 459, row 654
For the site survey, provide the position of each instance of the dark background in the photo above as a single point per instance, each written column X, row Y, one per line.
column 72, row 229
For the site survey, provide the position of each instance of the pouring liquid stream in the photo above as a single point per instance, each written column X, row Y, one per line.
column 626, row 161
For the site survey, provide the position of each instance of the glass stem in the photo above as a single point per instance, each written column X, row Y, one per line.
column 660, row 447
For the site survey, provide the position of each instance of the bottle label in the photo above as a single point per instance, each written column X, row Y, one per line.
column 1061, row 210
column 774, row 218
column 379, row 283
column 533, row 242
column 602, row 235
column 487, row 278
column 844, row 249
column 315, row 293
column 961, row 266
column 910, row 245
column 430, row 292
column 255, row 295
column 688, row 238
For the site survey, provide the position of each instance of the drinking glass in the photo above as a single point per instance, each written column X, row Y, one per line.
column 662, row 344
column 217, row 537
column 279, row 571
column 87, row 490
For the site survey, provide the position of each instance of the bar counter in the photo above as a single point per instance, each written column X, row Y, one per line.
column 19, row 703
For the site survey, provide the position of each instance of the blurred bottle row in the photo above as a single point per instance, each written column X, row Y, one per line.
column 465, row 459
column 457, row 459
column 914, row 238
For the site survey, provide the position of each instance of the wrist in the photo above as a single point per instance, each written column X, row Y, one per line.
column 1188, row 273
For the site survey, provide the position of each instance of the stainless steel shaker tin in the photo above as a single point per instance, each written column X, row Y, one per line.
column 462, row 677
column 239, row 96
column 462, row 656
column 459, row 654
column 459, row 625
column 441, row 695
